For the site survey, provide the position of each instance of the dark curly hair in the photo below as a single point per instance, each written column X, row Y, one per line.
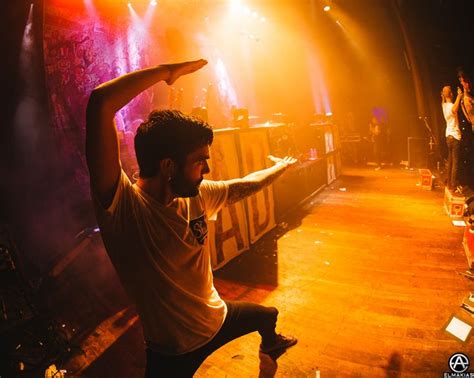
column 464, row 73
column 168, row 134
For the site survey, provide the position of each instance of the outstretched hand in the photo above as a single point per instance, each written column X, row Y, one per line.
column 179, row 69
column 287, row 161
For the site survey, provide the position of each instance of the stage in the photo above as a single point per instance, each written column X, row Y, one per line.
column 365, row 276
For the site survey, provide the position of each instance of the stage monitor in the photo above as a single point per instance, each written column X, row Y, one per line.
column 417, row 152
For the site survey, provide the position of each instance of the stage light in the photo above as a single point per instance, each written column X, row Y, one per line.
column 129, row 5
column 27, row 42
column 263, row 19
column 327, row 8
column 28, row 33
column 339, row 23
column 148, row 16
column 254, row 14
column 235, row 5
column 28, row 109
column 89, row 4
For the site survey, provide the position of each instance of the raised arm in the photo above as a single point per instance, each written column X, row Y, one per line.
column 102, row 147
column 252, row 183
column 457, row 102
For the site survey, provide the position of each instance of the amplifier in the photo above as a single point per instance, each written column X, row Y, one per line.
column 417, row 152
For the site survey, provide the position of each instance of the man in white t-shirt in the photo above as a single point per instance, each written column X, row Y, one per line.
column 155, row 231
column 453, row 134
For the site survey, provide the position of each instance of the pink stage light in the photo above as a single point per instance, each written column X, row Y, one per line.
column 28, row 109
column 136, row 20
column 319, row 91
column 149, row 15
column 90, row 6
column 27, row 33
column 224, row 84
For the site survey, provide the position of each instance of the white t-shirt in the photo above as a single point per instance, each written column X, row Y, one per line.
column 452, row 128
column 161, row 255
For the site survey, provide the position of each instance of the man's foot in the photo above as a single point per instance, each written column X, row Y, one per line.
column 280, row 343
column 378, row 168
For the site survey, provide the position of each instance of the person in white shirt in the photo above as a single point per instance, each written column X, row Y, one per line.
column 453, row 134
column 155, row 231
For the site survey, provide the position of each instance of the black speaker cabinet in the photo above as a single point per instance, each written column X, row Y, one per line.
column 288, row 191
column 417, row 152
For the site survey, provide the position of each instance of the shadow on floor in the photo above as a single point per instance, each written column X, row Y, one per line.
column 394, row 367
column 259, row 265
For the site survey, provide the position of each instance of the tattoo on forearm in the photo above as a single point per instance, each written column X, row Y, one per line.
column 241, row 190
column 255, row 182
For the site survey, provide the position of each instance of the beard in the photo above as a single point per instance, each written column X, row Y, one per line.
column 182, row 187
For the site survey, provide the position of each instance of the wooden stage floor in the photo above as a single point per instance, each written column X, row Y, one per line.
column 365, row 278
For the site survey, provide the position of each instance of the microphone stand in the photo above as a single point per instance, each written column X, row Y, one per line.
column 433, row 141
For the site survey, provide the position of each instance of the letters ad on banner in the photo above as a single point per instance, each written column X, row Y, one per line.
column 255, row 149
column 228, row 234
